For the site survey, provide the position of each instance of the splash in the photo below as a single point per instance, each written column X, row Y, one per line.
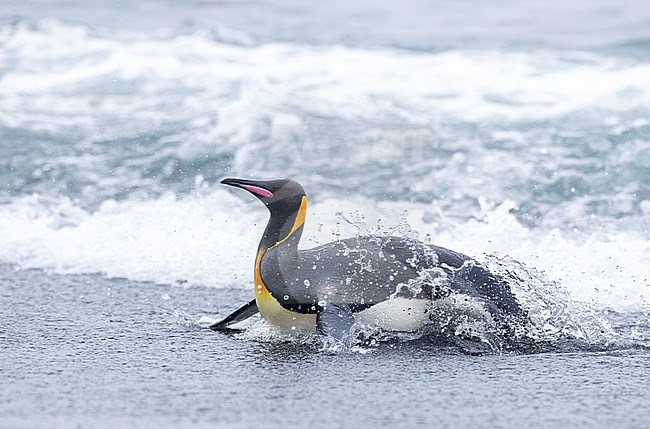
column 556, row 320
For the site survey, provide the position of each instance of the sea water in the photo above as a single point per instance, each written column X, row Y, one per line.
column 516, row 133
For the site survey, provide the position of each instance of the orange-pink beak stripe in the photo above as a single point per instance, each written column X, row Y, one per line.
column 258, row 191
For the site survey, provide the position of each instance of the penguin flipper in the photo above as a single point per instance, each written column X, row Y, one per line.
column 238, row 315
column 335, row 320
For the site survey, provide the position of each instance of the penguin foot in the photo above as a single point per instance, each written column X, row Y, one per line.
column 237, row 316
column 335, row 321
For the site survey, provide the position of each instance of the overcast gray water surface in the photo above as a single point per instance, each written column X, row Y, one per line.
column 84, row 351
column 517, row 133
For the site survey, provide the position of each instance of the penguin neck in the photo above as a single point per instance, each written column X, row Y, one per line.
column 285, row 229
column 279, row 250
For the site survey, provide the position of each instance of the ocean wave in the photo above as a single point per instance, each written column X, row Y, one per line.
column 237, row 85
column 112, row 143
column 96, row 116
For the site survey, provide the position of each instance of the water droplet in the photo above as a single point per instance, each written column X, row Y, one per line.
column 322, row 303
column 293, row 328
column 391, row 277
column 307, row 282
column 165, row 296
column 286, row 297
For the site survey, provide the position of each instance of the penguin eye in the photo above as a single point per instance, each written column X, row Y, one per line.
column 258, row 191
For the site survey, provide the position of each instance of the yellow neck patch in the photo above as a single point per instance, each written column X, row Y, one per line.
column 262, row 295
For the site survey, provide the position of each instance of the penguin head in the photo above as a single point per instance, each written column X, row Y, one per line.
column 279, row 195
column 286, row 201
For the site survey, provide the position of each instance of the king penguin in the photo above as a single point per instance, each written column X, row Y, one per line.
column 387, row 281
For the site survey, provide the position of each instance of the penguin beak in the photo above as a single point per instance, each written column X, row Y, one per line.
column 249, row 185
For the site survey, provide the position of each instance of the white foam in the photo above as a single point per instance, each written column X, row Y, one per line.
column 209, row 238
column 205, row 238
column 608, row 270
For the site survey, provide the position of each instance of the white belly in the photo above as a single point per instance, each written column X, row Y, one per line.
column 397, row 314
